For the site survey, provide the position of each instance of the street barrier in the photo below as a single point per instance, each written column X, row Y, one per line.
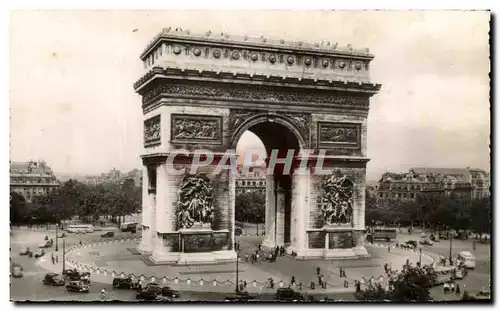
column 109, row 275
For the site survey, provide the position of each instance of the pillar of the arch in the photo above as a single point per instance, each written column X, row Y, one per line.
column 164, row 223
column 145, row 245
column 300, row 212
column 269, row 240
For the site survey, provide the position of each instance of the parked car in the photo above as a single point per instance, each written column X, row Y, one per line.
column 17, row 271
column 78, row 287
column 46, row 244
column 125, row 283
column 411, row 244
column 39, row 253
column 238, row 231
column 72, row 274
column 108, row 234
column 26, row 252
column 288, row 294
column 169, row 292
column 426, row 242
column 53, row 279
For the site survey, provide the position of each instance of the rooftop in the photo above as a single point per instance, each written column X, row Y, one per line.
column 223, row 38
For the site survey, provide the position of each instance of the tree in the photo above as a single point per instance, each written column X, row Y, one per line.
column 18, row 209
column 411, row 284
column 250, row 206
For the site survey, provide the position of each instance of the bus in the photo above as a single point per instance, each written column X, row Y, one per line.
column 128, row 227
column 386, row 234
column 82, row 228
column 467, row 259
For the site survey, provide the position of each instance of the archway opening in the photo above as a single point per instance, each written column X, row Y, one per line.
column 278, row 139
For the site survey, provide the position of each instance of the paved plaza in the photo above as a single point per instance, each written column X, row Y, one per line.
column 117, row 257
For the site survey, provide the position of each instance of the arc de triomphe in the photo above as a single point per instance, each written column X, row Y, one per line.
column 203, row 92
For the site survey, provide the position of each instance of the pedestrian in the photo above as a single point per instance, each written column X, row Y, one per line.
column 80, row 242
column 458, row 290
column 319, row 280
column 257, row 258
column 318, row 270
column 260, row 247
column 244, row 284
column 271, row 283
column 103, row 294
column 246, row 257
column 388, row 248
column 385, row 268
column 292, row 282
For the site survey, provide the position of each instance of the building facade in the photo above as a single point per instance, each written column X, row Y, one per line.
column 31, row 179
column 252, row 181
column 465, row 183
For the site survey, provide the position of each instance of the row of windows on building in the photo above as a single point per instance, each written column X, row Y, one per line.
column 250, row 183
column 49, row 180
column 260, row 190
column 28, row 193
column 389, row 195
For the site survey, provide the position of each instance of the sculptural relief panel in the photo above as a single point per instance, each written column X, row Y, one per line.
column 336, row 200
column 339, row 134
column 152, row 130
column 194, row 206
column 196, row 129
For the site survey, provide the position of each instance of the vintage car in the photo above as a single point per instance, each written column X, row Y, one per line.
column 108, row 234
column 72, row 274
column 162, row 290
column 46, row 244
column 426, row 242
column 125, row 283
column 26, row 252
column 412, row 244
column 16, row 271
column 78, row 287
column 288, row 294
column 53, row 279
column 39, row 253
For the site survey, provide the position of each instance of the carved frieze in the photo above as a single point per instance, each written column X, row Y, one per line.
column 335, row 201
column 340, row 134
column 196, row 128
column 194, row 207
column 152, row 130
column 301, row 121
column 245, row 93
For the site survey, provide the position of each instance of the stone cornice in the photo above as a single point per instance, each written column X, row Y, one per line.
column 258, row 79
column 261, row 44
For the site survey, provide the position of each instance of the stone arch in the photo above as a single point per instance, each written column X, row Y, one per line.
column 266, row 118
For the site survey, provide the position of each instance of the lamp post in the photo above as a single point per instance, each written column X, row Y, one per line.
column 451, row 243
column 57, row 237
column 64, row 257
column 420, row 260
column 237, row 272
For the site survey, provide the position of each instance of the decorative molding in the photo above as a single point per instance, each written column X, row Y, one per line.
column 335, row 201
column 152, row 131
column 246, row 93
column 300, row 121
column 196, row 129
column 339, row 134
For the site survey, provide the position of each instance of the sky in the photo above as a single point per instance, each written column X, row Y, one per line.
column 73, row 104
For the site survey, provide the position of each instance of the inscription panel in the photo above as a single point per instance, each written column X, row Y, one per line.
column 345, row 135
column 152, row 131
column 196, row 129
column 340, row 240
column 316, row 239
